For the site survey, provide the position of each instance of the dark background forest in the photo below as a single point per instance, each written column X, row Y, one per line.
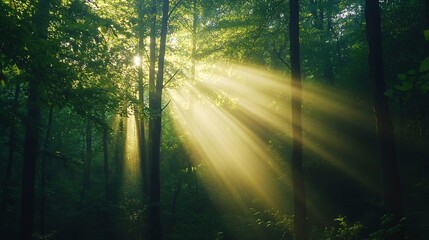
column 214, row 119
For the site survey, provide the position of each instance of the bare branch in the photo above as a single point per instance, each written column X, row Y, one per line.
column 280, row 57
column 166, row 105
column 171, row 78
column 174, row 8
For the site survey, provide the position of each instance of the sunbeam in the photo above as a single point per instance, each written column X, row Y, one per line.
column 132, row 173
column 228, row 119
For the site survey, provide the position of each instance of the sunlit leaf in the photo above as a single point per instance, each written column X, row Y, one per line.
column 426, row 34
column 424, row 66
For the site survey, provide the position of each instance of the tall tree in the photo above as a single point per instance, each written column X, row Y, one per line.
column 43, row 172
column 155, row 101
column 31, row 142
column 300, row 209
column 12, row 144
column 140, row 113
column 385, row 133
column 88, row 157
column 154, row 218
column 427, row 13
column 106, row 165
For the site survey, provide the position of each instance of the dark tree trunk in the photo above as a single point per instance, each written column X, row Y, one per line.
column 31, row 151
column 12, row 134
column 300, row 209
column 426, row 5
column 153, row 229
column 88, row 157
column 329, row 68
column 119, row 151
column 155, row 91
column 43, row 172
column 11, row 148
column 194, row 38
column 385, row 133
column 106, row 167
column 32, row 125
column 140, row 113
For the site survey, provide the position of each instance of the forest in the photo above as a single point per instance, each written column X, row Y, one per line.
column 214, row 119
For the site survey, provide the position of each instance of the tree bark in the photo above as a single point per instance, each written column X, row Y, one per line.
column 119, row 151
column 32, row 128
column 12, row 134
column 88, row 157
column 106, row 166
column 194, row 39
column 153, row 230
column 140, row 117
column 155, row 100
column 300, row 209
column 426, row 6
column 385, row 133
column 43, row 172
column 11, row 148
column 31, row 152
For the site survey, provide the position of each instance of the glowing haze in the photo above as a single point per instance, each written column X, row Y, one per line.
column 235, row 121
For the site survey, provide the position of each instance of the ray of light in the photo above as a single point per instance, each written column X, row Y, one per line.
column 230, row 119
column 131, row 169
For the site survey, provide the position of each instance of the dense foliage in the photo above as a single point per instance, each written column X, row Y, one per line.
column 83, row 59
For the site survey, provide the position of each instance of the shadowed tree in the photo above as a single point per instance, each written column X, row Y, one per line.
column 32, row 125
column 385, row 134
column 88, row 157
column 155, row 101
column 299, row 199
column 140, row 113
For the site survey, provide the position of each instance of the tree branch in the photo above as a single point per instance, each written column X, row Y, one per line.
column 174, row 8
column 280, row 57
column 171, row 78
column 166, row 105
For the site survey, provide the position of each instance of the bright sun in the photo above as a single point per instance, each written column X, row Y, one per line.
column 137, row 61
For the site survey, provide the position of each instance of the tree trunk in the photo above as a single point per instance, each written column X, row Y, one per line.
column 194, row 39
column 11, row 148
column 426, row 3
column 31, row 152
column 140, row 115
column 155, row 97
column 119, row 151
column 106, row 167
column 153, row 222
column 297, row 171
column 12, row 134
column 43, row 172
column 88, row 157
column 31, row 140
column 385, row 133
column 329, row 68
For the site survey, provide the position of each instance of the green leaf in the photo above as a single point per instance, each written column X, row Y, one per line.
column 424, row 66
column 406, row 86
column 426, row 34
column 389, row 93
column 412, row 72
column 402, row 77
column 425, row 87
column 2, row 83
